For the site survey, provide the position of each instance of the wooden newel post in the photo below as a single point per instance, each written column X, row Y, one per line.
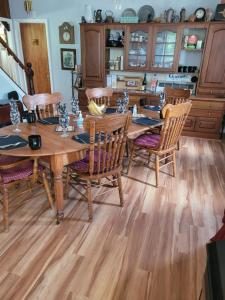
column 30, row 81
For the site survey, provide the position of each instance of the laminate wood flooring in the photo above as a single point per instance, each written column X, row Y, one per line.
column 153, row 248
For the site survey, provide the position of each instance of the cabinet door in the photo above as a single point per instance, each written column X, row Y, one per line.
column 4, row 9
column 190, row 123
column 93, row 55
column 137, row 47
column 213, row 67
column 166, row 46
column 210, row 125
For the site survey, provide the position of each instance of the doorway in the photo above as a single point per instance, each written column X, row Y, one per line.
column 35, row 51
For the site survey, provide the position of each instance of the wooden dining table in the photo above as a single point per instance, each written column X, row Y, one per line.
column 60, row 151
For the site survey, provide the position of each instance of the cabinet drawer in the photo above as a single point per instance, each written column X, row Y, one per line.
column 205, row 113
column 190, row 123
column 210, row 125
column 208, row 105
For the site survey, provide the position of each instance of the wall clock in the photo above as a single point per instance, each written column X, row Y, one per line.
column 200, row 14
column 66, row 34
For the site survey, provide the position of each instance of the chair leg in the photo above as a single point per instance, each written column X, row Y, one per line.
column 157, row 170
column 131, row 158
column 48, row 192
column 178, row 145
column 174, row 164
column 5, row 208
column 149, row 158
column 89, row 199
column 120, row 189
column 35, row 171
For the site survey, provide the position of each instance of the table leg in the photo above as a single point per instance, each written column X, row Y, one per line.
column 57, row 169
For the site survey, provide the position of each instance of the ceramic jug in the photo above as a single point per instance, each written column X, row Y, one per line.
column 98, row 15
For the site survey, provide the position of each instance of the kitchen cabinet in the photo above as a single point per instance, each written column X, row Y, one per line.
column 93, row 55
column 165, row 48
column 138, row 47
column 205, row 117
column 212, row 76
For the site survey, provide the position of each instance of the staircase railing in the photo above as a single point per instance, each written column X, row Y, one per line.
column 22, row 75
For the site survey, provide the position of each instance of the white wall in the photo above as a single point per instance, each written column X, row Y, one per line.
column 58, row 11
column 7, row 86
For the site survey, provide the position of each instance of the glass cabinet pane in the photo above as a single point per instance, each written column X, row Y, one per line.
column 137, row 52
column 165, row 49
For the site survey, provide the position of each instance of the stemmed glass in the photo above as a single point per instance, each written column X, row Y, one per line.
column 14, row 115
column 75, row 106
column 64, row 119
column 123, row 102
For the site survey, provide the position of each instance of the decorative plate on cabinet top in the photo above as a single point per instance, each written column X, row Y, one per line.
column 129, row 12
column 146, row 13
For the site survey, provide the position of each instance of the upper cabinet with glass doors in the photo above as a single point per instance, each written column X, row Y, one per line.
column 138, row 39
column 166, row 46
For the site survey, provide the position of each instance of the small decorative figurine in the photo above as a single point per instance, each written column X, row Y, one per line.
column 182, row 14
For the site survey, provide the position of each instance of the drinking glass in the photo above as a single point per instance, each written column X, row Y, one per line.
column 75, row 106
column 64, row 123
column 63, row 119
column 15, row 116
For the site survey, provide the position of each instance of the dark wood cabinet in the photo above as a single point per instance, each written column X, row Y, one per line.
column 138, row 40
column 212, row 76
column 205, row 117
column 166, row 45
column 4, row 9
column 93, row 55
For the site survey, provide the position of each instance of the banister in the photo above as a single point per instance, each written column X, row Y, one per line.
column 27, row 69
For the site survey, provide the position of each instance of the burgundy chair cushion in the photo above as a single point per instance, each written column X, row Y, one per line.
column 8, row 159
column 21, row 172
column 82, row 166
column 147, row 140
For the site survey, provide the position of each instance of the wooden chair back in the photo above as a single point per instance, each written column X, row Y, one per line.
column 175, row 96
column 45, row 105
column 107, row 142
column 99, row 95
column 175, row 117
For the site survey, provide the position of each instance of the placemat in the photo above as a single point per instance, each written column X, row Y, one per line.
column 152, row 107
column 8, row 142
column 49, row 121
column 110, row 110
column 84, row 138
column 146, row 121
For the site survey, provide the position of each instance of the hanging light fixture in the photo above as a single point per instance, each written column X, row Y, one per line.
column 28, row 6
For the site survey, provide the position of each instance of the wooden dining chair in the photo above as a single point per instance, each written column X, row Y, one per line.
column 14, row 170
column 100, row 95
column 163, row 145
column 104, row 158
column 45, row 105
column 175, row 96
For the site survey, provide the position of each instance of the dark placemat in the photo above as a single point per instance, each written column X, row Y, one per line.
column 152, row 107
column 8, row 142
column 110, row 110
column 84, row 138
column 49, row 121
column 146, row 121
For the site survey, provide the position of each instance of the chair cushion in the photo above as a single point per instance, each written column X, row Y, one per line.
column 9, row 159
column 82, row 166
column 21, row 172
column 147, row 140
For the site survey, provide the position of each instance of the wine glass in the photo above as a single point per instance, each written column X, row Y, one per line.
column 14, row 116
column 75, row 106
column 63, row 119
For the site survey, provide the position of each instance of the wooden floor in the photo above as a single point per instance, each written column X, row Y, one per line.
column 152, row 248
